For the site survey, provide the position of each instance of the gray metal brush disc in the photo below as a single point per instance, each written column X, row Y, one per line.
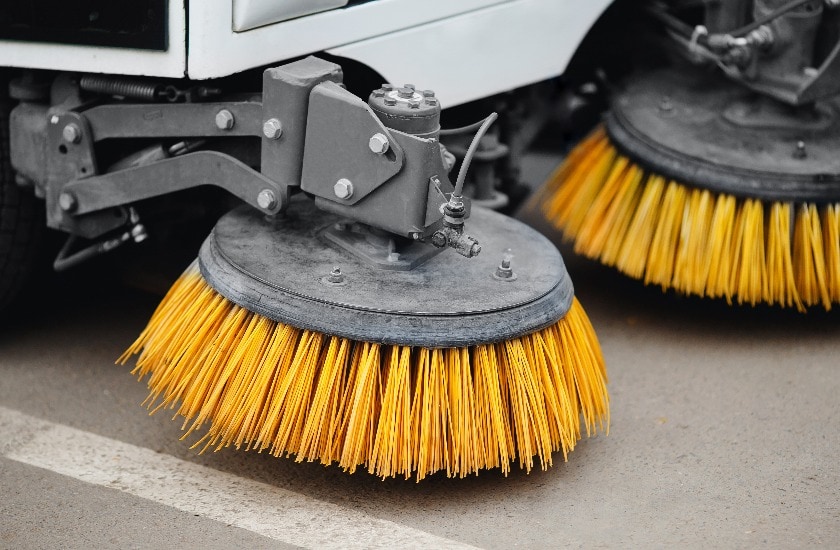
column 700, row 129
column 280, row 268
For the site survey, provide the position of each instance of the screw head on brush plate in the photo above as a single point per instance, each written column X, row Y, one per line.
column 276, row 268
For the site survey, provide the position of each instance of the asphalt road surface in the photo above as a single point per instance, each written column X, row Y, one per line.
column 724, row 433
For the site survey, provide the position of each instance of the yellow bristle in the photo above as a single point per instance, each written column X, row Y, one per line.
column 691, row 240
column 394, row 410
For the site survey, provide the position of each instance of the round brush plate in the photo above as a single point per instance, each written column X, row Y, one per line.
column 280, row 268
column 702, row 130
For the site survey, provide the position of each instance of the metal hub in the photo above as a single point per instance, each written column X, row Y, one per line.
column 703, row 130
column 285, row 269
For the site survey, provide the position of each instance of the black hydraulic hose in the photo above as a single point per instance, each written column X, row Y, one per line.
column 462, row 173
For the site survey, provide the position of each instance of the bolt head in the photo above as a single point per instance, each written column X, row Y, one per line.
column 343, row 188
column 72, row 133
column 272, row 128
column 267, row 200
column 414, row 104
column 379, row 144
column 224, row 120
column 428, row 93
column 390, row 101
column 439, row 239
column 67, row 201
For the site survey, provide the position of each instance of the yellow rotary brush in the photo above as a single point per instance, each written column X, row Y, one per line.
column 351, row 377
column 359, row 324
column 695, row 184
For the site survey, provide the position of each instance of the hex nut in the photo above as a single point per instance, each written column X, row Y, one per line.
column 273, row 128
column 225, row 120
column 72, row 133
column 379, row 144
column 267, row 200
column 343, row 188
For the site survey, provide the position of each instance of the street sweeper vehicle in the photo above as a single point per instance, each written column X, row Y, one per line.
column 356, row 307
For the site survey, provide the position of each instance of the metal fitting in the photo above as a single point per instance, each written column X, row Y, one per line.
column 267, row 200
column 225, row 120
column 336, row 276
column 67, row 201
column 414, row 104
column 379, row 144
column 504, row 272
column 388, row 87
column 431, row 93
column 390, row 101
column 139, row 233
column 273, row 128
column 72, row 133
column 343, row 188
column 800, row 152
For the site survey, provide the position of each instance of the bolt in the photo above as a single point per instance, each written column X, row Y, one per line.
column 414, row 104
column 405, row 93
column 72, row 133
column 379, row 143
column 343, row 188
column 67, row 201
column 800, row 152
column 439, row 239
column 54, row 119
column 273, row 128
column 379, row 93
column 475, row 250
column 138, row 233
column 504, row 271
column 390, row 101
column 336, row 276
column 267, row 200
column 224, row 120
column 416, row 236
column 388, row 87
column 431, row 101
column 428, row 93
column 409, row 87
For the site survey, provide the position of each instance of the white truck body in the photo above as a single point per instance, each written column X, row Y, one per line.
column 463, row 49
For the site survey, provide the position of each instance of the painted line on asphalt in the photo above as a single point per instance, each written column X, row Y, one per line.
column 270, row 511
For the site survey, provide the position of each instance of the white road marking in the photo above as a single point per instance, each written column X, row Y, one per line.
column 269, row 511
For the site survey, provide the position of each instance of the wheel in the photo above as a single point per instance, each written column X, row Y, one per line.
column 21, row 221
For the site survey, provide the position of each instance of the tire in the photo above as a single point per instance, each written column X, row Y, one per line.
column 21, row 222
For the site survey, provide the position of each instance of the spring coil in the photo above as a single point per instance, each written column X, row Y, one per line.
column 130, row 89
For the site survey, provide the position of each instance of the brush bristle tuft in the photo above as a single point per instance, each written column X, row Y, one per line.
column 392, row 410
column 692, row 240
